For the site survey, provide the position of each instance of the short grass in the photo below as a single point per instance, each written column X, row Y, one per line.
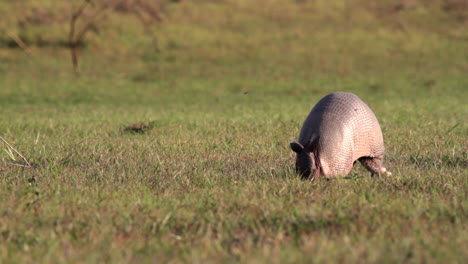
column 174, row 147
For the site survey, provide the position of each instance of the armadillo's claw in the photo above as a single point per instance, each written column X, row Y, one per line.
column 385, row 171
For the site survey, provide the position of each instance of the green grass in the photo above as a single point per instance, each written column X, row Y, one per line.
column 225, row 86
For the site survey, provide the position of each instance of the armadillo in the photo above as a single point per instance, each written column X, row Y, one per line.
column 339, row 130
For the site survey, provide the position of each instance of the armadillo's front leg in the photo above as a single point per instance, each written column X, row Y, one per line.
column 316, row 175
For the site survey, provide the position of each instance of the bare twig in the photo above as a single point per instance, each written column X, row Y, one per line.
column 73, row 42
column 79, row 37
column 17, row 152
column 19, row 165
column 75, row 35
column 18, row 42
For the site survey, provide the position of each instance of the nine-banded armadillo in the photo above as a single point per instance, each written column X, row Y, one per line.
column 339, row 130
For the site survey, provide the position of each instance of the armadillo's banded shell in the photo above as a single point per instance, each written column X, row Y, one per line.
column 346, row 129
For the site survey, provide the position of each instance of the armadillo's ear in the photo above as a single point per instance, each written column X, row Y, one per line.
column 296, row 146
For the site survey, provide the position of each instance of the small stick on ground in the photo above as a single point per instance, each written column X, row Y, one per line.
column 17, row 152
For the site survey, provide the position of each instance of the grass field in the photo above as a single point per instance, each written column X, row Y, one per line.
column 219, row 89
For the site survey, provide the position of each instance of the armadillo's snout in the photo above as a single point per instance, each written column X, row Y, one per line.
column 304, row 165
column 304, row 172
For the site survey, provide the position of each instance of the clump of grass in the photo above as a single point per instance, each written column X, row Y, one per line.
column 139, row 128
column 11, row 150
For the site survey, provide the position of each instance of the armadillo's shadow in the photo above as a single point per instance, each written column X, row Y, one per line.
column 353, row 176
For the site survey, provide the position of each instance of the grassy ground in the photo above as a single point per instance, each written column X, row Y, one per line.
column 223, row 87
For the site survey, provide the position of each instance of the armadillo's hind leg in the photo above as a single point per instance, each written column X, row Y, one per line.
column 374, row 165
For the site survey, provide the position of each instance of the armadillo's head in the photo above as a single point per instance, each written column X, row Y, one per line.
column 305, row 160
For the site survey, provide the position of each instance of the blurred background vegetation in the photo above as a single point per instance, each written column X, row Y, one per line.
column 160, row 34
